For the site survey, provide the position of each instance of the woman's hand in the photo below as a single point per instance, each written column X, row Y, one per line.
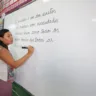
column 30, row 50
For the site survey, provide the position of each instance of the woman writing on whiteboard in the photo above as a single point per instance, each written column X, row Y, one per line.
column 5, row 56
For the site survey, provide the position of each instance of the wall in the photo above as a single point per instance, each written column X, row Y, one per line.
column 64, row 60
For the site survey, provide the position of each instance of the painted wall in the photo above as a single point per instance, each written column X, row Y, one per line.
column 63, row 33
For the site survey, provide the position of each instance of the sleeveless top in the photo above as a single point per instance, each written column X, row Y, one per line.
column 3, row 71
column 6, row 72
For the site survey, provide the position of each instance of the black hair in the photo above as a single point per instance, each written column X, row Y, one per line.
column 2, row 32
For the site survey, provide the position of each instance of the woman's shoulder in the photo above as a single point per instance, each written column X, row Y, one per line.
column 2, row 50
column 1, row 47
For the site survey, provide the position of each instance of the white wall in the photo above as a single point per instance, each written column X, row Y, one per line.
column 66, row 66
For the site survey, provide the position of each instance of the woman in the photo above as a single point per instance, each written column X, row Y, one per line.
column 5, row 56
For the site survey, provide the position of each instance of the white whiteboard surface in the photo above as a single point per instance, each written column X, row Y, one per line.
column 65, row 66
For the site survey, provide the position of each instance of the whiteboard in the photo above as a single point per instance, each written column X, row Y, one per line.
column 63, row 33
